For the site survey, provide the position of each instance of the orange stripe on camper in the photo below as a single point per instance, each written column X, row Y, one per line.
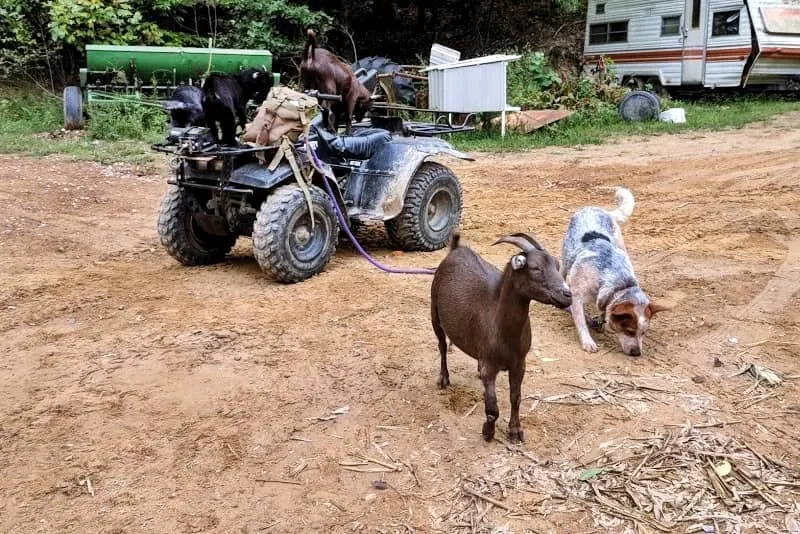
column 781, row 53
column 678, row 54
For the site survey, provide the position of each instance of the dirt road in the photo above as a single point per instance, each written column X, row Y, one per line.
column 137, row 395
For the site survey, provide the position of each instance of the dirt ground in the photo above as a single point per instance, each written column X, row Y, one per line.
column 137, row 395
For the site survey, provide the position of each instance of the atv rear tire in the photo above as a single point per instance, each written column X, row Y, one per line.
column 183, row 237
column 431, row 211
column 404, row 90
column 285, row 246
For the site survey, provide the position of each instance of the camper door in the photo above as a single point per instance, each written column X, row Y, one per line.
column 694, row 42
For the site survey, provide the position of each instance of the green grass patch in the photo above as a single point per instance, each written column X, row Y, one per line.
column 31, row 121
column 120, row 132
column 585, row 128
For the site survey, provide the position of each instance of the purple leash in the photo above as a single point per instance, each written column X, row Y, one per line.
column 318, row 165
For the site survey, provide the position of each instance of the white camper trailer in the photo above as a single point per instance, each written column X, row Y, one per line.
column 697, row 43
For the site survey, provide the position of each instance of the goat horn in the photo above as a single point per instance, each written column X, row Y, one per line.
column 516, row 240
column 524, row 241
column 530, row 238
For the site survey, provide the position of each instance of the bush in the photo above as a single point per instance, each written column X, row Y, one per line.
column 46, row 39
column 534, row 84
column 26, row 111
column 126, row 120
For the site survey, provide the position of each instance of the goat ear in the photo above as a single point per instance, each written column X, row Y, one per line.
column 518, row 261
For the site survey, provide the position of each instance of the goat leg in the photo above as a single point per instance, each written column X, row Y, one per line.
column 348, row 119
column 241, row 114
column 515, row 376
column 444, row 374
column 228, row 124
column 488, row 377
column 212, row 127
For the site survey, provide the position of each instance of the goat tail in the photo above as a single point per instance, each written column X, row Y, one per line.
column 455, row 239
column 311, row 45
column 625, row 204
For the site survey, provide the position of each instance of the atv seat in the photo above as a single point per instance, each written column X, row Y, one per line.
column 363, row 144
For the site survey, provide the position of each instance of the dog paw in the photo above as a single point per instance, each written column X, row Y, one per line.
column 589, row 346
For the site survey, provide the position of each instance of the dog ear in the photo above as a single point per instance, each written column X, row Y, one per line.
column 654, row 308
column 518, row 261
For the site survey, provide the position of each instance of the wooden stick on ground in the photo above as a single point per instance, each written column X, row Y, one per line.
column 486, row 498
column 278, row 481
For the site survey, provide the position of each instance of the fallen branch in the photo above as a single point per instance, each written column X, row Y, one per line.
column 486, row 498
column 278, row 481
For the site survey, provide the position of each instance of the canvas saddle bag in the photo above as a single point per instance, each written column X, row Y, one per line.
column 284, row 113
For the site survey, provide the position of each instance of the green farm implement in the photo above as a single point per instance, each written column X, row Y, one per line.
column 146, row 74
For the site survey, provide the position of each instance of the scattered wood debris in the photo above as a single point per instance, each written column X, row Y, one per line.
column 626, row 393
column 679, row 480
column 762, row 375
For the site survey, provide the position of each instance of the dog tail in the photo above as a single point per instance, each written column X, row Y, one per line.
column 311, row 44
column 625, row 205
column 455, row 239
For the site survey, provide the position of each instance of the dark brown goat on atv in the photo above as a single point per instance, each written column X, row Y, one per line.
column 323, row 71
column 484, row 312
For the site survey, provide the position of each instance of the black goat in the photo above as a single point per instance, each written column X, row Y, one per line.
column 484, row 312
column 225, row 100
column 185, row 107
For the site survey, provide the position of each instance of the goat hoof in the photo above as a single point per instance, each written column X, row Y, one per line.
column 516, row 437
column 488, row 431
column 443, row 381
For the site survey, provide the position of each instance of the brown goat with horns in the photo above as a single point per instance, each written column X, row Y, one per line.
column 484, row 312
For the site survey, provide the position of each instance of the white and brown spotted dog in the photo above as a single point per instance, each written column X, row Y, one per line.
column 597, row 269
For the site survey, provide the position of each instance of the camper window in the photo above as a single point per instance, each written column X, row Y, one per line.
column 612, row 32
column 670, row 26
column 725, row 23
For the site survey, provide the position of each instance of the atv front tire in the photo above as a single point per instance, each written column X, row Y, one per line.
column 284, row 244
column 183, row 237
column 431, row 211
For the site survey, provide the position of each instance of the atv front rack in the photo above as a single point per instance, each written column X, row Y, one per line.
column 214, row 150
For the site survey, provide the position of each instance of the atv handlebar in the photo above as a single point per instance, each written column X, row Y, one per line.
column 324, row 96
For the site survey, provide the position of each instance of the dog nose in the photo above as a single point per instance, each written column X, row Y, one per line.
column 636, row 351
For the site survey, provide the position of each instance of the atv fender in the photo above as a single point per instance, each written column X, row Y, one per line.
column 378, row 188
column 260, row 177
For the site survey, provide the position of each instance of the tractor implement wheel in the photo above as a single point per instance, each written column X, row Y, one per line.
column 182, row 235
column 285, row 246
column 431, row 211
column 73, row 108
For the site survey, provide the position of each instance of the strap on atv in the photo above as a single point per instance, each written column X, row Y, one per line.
column 286, row 150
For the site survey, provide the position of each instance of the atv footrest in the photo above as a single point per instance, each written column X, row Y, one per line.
column 226, row 188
